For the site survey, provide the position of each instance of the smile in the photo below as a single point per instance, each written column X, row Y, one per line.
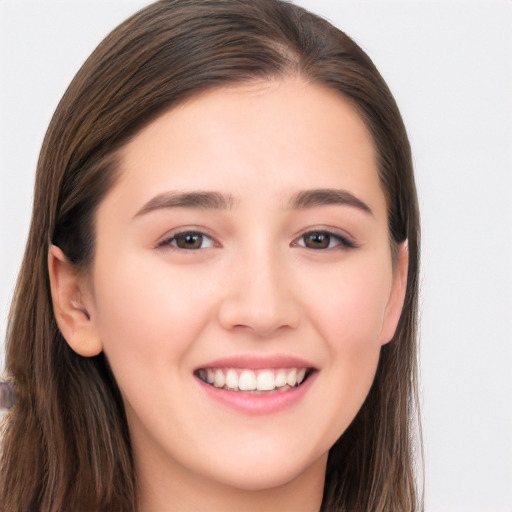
column 254, row 381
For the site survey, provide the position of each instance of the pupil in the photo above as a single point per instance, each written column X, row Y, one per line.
column 318, row 240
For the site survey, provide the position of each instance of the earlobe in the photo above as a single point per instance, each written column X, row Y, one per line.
column 72, row 305
column 396, row 298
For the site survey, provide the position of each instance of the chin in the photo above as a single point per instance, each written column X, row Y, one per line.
column 265, row 475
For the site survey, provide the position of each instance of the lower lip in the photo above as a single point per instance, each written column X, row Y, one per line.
column 248, row 403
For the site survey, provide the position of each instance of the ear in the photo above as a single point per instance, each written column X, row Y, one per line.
column 396, row 298
column 72, row 305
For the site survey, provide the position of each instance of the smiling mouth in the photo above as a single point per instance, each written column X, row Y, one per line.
column 262, row 381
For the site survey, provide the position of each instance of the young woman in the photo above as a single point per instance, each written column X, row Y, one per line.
column 217, row 305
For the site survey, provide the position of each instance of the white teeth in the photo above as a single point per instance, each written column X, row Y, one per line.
column 218, row 379
column 265, row 380
column 247, row 381
column 280, row 379
column 232, row 379
column 252, row 380
column 291, row 378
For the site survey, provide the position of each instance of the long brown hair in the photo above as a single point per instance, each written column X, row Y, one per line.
column 67, row 446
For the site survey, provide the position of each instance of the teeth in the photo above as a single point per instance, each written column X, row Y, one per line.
column 280, row 379
column 232, row 379
column 265, row 381
column 249, row 380
column 291, row 378
column 219, row 379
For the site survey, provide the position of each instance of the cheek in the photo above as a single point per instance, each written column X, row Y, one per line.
column 146, row 313
column 350, row 318
column 350, row 312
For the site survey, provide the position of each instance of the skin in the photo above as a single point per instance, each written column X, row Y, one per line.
column 254, row 287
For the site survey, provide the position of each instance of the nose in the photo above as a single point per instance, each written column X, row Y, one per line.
column 259, row 297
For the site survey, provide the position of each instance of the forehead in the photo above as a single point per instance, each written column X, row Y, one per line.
column 275, row 137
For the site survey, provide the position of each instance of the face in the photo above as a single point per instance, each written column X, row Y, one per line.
column 245, row 243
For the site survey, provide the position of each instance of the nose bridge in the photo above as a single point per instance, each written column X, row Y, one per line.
column 266, row 278
column 259, row 295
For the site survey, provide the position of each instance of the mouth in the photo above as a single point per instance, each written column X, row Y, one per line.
column 254, row 381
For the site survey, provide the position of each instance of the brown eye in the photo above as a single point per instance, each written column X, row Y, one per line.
column 317, row 240
column 188, row 240
column 323, row 240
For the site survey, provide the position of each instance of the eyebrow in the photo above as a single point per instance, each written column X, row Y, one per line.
column 200, row 200
column 326, row 197
column 217, row 201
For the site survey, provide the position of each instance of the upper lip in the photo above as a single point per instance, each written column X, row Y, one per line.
column 258, row 362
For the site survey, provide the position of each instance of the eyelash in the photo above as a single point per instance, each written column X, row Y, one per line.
column 342, row 242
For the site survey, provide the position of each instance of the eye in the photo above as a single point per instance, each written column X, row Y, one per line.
column 323, row 240
column 188, row 240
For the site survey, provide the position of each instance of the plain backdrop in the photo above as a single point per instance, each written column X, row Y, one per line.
column 449, row 65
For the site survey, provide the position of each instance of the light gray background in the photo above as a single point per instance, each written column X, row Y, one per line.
column 449, row 65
